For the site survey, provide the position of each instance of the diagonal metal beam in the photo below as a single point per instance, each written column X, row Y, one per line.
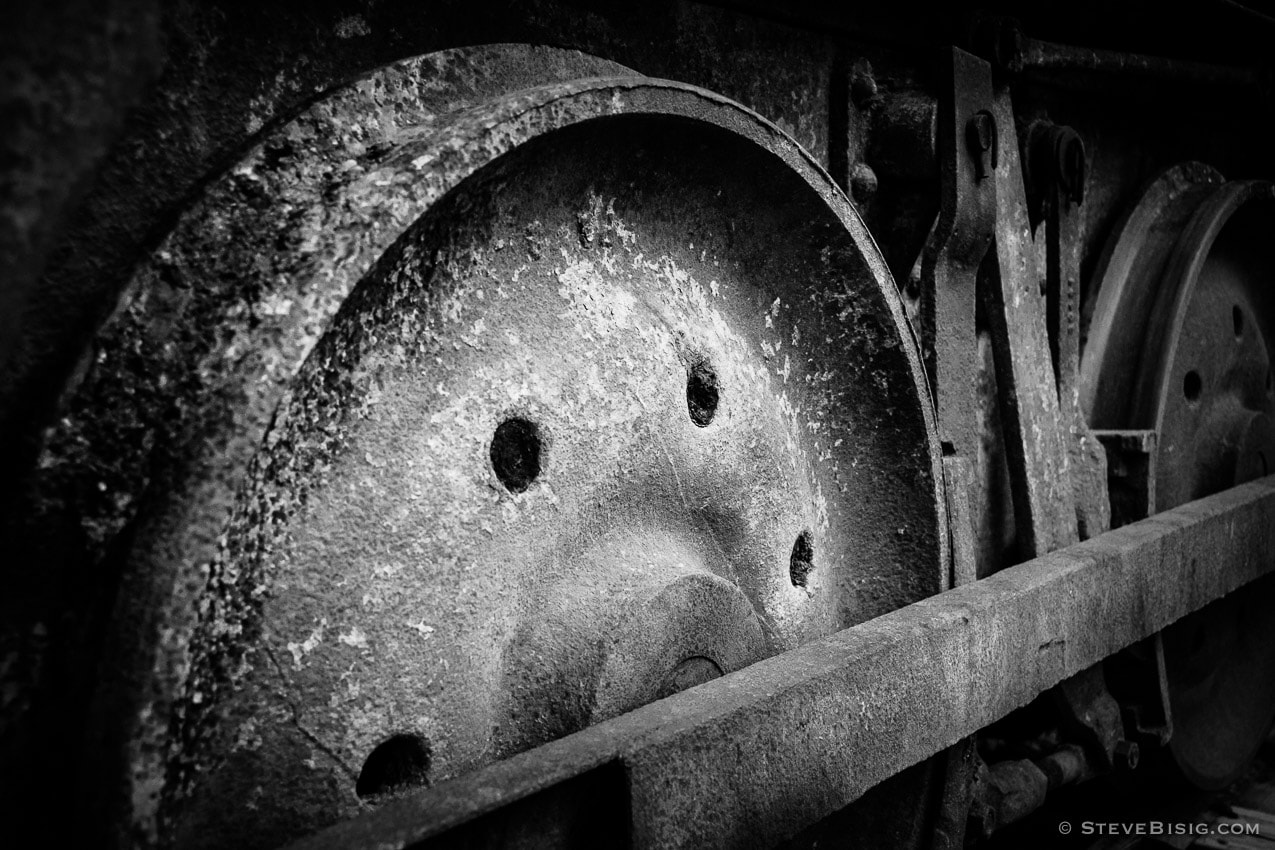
column 753, row 757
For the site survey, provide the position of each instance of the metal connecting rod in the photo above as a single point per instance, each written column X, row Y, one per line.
column 753, row 757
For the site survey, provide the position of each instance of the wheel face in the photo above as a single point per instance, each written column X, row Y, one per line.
column 624, row 403
column 1204, row 385
column 1212, row 401
column 1214, row 420
column 1129, row 271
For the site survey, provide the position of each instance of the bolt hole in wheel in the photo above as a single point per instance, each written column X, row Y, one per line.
column 701, row 393
column 802, row 561
column 1192, row 385
column 400, row 763
column 515, row 454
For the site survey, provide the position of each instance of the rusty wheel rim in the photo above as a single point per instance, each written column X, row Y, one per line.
column 608, row 365
column 1213, row 416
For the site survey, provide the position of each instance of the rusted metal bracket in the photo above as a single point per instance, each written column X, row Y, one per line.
column 1056, row 470
column 751, row 758
column 1137, row 675
column 1044, row 509
column 1139, row 681
column 1056, row 167
column 1130, row 473
column 967, row 152
column 967, row 148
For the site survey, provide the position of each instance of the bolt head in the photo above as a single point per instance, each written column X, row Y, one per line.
column 863, row 184
column 1126, row 755
column 863, row 88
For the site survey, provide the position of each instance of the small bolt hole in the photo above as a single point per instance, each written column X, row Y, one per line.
column 1192, row 385
column 1237, row 319
column 701, row 393
column 802, row 561
column 515, row 454
column 395, row 765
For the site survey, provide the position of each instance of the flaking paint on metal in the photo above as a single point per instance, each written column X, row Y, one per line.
column 211, row 360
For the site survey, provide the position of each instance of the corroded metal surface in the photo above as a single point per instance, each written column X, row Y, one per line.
column 1044, row 509
column 116, row 116
column 407, row 590
column 127, row 112
column 1186, row 295
column 955, row 247
column 1207, row 387
column 372, row 294
column 1057, row 179
column 1129, row 268
column 188, row 373
column 750, row 758
column 1211, row 402
column 285, row 316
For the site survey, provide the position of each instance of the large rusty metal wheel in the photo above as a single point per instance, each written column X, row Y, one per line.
column 462, row 413
column 1180, row 344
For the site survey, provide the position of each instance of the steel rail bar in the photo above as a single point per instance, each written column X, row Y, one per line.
column 751, row 758
column 1044, row 58
column 1011, row 50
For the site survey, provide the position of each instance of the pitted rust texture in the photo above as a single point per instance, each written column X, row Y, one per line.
column 192, row 367
column 399, row 587
column 319, row 199
column 226, row 72
column 191, row 370
column 1044, row 511
column 165, row 96
column 226, row 311
column 750, row 759
column 240, row 296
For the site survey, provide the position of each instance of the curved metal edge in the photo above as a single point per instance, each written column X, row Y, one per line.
column 1154, row 386
column 773, row 139
column 1122, row 260
column 176, row 542
column 165, row 429
column 1180, row 282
